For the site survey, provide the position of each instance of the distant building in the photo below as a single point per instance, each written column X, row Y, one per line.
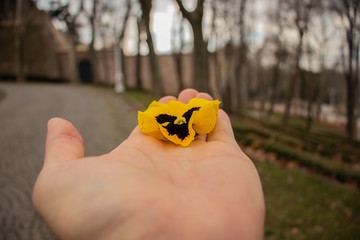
column 46, row 53
column 40, row 46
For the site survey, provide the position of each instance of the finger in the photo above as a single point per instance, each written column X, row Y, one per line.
column 63, row 142
column 167, row 99
column 187, row 94
column 204, row 96
column 223, row 131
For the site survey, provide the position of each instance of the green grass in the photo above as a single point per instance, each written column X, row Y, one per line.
column 328, row 153
column 299, row 206
column 339, row 171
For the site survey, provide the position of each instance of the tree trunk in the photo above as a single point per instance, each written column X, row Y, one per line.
column 119, row 70
column 200, row 73
column 294, row 80
column 200, row 53
column 310, row 101
column 106, row 66
column 280, row 55
column 357, row 90
column 73, row 63
column 138, row 62
column 158, row 88
column 350, row 103
column 274, row 84
column 321, row 83
column 119, row 77
column 178, row 62
column 310, row 92
column 320, row 96
column 350, row 10
column 229, row 90
column 177, row 34
column 241, row 83
column 262, row 86
column 92, row 51
column 19, row 42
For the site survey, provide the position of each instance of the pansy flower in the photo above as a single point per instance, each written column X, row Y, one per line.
column 179, row 122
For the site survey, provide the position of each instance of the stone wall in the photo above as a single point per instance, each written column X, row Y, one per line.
column 107, row 71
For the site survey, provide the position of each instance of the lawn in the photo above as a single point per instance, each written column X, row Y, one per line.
column 300, row 206
column 310, row 179
column 324, row 150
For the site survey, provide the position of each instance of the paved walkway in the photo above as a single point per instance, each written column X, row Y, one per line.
column 103, row 117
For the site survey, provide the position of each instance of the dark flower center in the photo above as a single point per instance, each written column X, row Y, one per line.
column 180, row 129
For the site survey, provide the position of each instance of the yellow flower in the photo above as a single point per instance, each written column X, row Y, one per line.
column 179, row 122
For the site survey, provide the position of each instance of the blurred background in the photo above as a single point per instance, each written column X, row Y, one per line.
column 287, row 71
column 294, row 57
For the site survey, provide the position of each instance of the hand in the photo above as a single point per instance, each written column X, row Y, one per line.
column 150, row 189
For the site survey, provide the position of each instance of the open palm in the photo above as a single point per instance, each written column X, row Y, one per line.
column 150, row 189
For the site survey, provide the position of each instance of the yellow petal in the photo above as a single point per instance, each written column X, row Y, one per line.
column 205, row 118
column 179, row 108
column 197, row 102
column 149, row 125
column 147, row 119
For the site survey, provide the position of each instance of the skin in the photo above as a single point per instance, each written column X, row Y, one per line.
column 150, row 189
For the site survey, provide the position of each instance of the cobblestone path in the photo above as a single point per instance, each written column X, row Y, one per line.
column 103, row 117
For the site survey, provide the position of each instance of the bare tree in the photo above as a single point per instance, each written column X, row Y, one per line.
column 310, row 84
column 281, row 52
column 177, row 33
column 106, row 33
column 119, row 32
column 200, row 53
column 302, row 9
column 62, row 12
column 322, row 41
column 241, row 84
column 213, row 39
column 225, row 32
column 92, row 51
column 104, row 27
column 348, row 10
column 146, row 6
column 141, row 30
column 319, row 32
column 19, row 35
column 260, row 76
column 107, row 22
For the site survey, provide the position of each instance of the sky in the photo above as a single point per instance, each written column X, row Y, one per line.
column 162, row 21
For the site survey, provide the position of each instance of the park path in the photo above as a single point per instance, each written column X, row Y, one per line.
column 103, row 117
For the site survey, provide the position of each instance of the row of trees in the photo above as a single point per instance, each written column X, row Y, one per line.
column 288, row 59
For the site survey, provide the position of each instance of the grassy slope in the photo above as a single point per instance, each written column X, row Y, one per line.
column 324, row 150
column 299, row 206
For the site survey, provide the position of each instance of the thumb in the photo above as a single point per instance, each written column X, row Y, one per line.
column 63, row 142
